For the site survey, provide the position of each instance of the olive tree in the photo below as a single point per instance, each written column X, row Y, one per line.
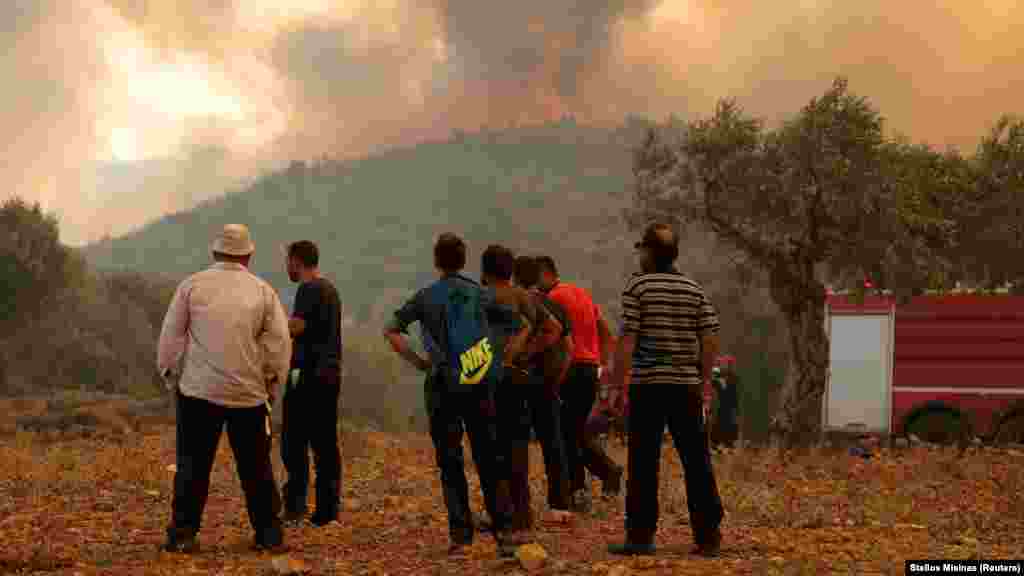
column 823, row 199
column 991, row 216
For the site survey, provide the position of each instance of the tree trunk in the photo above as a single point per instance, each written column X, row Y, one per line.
column 800, row 408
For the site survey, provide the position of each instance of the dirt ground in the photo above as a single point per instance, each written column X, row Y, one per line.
column 74, row 503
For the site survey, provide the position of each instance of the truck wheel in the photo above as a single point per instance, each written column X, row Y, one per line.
column 1011, row 425
column 937, row 423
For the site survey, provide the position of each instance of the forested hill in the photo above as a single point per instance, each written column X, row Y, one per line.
column 558, row 189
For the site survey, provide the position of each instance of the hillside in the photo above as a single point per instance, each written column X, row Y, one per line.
column 559, row 189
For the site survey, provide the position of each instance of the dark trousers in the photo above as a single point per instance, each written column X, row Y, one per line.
column 726, row 428
column 513, row 436
column 310, row 421
column 470, row 411
column 652, row 407
column 578, row 394
column 545, row 415
column 199, row 426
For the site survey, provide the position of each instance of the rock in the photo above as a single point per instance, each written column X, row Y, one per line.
column 645, row 563
column 558, row 517
column 285, row 565
column 531, row 556
column 967, row 541
column 352, row 504
column 560, row 567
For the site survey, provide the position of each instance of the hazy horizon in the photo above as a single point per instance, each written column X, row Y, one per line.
column 126, row 80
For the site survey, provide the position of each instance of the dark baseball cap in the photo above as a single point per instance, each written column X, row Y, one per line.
column 658, row 235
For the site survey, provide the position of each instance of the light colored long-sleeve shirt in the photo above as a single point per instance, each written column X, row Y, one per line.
column 224, row 336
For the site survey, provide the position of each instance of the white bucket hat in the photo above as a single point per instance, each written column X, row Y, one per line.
column 233, row 240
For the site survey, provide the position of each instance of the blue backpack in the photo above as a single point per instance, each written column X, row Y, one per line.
column 472, row 357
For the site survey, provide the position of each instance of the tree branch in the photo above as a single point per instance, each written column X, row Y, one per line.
column 764, row 254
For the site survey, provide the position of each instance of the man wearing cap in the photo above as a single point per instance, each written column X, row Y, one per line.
column 668, row 347
column 223, row 347
column 310, row 411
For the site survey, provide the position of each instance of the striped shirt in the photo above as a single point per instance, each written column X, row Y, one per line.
column 668, row 313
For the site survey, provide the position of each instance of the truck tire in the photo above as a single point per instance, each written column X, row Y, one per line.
column 938, row 423
column 1010, row 429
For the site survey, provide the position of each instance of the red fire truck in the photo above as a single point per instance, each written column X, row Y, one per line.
column 940, row 367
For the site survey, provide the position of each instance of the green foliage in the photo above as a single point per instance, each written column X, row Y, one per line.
column 36, row 267
column 62, row 326
column 992, row 218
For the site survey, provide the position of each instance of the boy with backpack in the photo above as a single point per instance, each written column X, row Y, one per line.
column 465, row 367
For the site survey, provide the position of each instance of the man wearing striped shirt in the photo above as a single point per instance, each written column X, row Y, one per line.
column 668, row 347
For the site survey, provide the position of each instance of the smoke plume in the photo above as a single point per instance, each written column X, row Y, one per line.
column 311, row 78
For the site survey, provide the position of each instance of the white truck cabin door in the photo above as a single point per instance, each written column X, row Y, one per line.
column 858, row 388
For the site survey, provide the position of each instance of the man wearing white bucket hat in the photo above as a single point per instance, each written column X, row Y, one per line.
column 223, row 347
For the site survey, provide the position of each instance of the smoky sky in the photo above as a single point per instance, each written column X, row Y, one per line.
column 367, row 75
column 541, row 41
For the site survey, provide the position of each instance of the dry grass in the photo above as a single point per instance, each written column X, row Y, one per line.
column 98, row 505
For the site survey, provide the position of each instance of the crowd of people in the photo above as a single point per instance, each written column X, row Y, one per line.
column 517, row 353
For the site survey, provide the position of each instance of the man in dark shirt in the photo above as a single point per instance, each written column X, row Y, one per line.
column 669, row 344
column 468, row 409
column 313, row 389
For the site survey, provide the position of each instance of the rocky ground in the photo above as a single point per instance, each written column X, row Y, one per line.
column 93, row 497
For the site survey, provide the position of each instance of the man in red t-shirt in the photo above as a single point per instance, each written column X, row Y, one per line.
column 592, row 346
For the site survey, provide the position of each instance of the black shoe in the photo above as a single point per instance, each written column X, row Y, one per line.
column 507, row 551
column 514, row 539
column 580, row 502
column 269, row 540
column 321, row 520
column 510, row 541
column 710, row 545
column 613, row 484
column 279, row 548
column 457, row 547
column 293, row 518
column 183, row 545
column 483, row 523
column 628, row 548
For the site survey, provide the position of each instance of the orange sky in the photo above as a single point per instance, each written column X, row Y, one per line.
column 273, row 81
